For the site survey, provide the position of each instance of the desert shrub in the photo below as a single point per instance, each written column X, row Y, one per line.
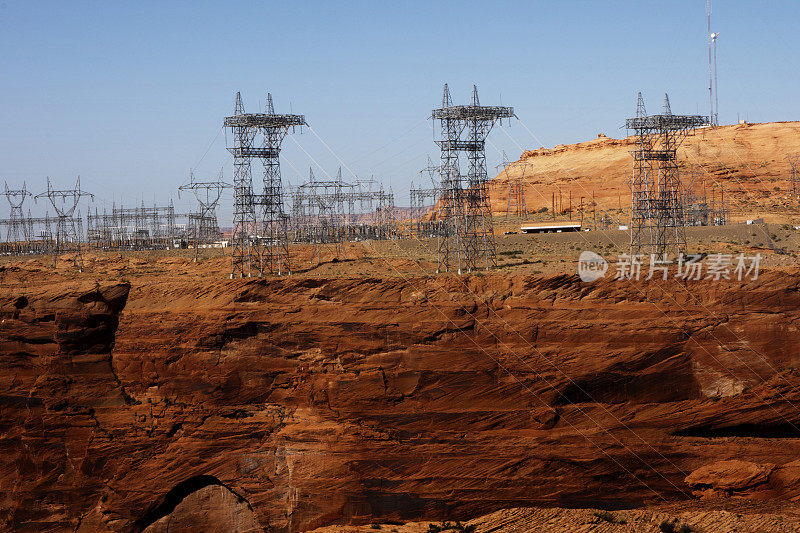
column 609, row 517
column 448, row 526
column 672, row 527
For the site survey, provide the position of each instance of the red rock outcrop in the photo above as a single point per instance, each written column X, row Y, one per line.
column 744, row 478
column 731, row 475
column 748, row 160
column 296, row 403
column 57, row 378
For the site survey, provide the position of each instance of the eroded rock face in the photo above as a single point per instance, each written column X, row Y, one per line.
column 306, row 402
column 57, row 384
column 744, row 478
column 729, row 476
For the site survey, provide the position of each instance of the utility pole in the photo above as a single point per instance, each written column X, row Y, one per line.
column 570, row 204
column 793, row 173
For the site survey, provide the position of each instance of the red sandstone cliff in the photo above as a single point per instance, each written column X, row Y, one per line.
column 296, row 403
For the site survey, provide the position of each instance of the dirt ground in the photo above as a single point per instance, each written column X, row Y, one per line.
column 546, row 254
column 727, row 516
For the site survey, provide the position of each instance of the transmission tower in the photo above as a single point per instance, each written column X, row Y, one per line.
column 516, row 192
column 255, row 248
column 326, row 213
column 695, row 204
column 69, row 228
column 466, row 236
column 657, row 199
column 18, row 229
column 207, row 193
column 432, row 171
column 419, row 206
column 793, row 174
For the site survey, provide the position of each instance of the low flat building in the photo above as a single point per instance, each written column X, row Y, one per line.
column 555, row 227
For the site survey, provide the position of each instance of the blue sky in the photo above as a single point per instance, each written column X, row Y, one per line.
column 132, row 95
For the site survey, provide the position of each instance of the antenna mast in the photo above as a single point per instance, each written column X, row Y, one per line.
column 716, row 86
column 713, row 97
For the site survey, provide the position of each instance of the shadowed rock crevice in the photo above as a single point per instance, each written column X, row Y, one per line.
column 642, row 386
column 91, row 325
column 178, row 494
column 785, row 430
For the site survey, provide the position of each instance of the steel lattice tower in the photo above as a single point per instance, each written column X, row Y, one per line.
column 18, row 229
column 419, row 208
column 264, row 248
column 695, row 204
column 516, row 191
column 207, row 193
column 244, row 256
column 657, row 199
column 69, row 229
column 325, row 213
column 452, row 210
column 146, row 228
column 466, row 236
